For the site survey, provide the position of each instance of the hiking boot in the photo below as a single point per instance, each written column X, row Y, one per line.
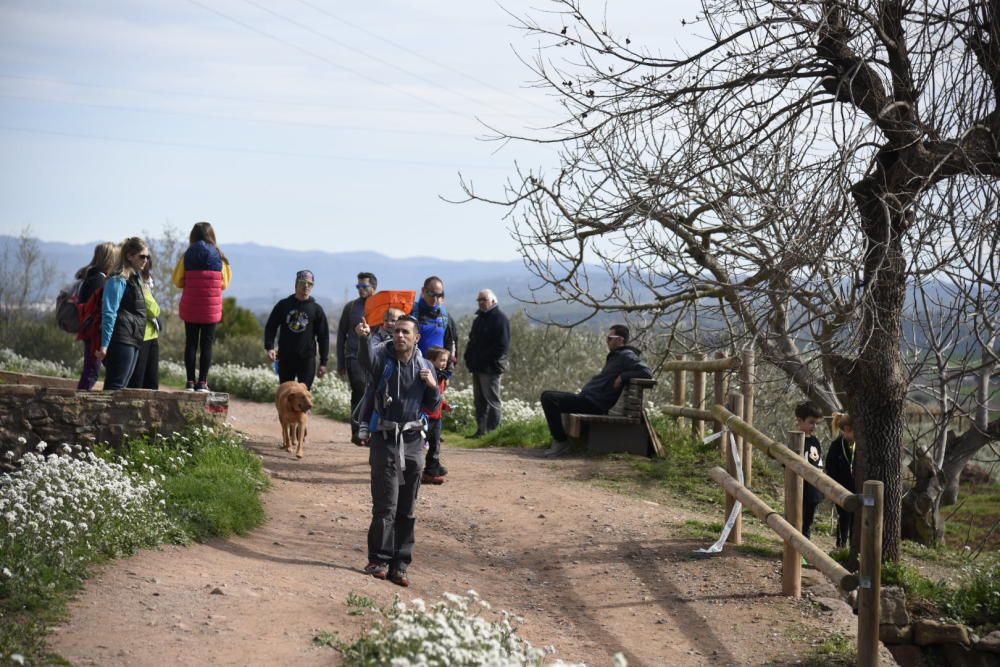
column 189, row 386
column 427, row 478
column 399, row 578
column 558, row 448
column 201, row 386
column 377, row 570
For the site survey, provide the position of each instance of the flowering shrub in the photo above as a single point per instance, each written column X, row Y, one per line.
column 60, row 512
column 449, row 633
column 331, row 395
column 463, row 414
column 10, row 361
column 172, row 372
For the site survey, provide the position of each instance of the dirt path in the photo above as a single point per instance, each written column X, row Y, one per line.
column 590, row 571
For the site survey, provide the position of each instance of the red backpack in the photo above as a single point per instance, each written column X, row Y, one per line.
column 90, row 319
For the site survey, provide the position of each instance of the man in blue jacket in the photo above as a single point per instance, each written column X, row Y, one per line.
column 600, row 393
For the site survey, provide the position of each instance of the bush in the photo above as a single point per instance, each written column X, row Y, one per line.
column 451, row 632
column 976, row 600
column 40, row 338
column 11, row 361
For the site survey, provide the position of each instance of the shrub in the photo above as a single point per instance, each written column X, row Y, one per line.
column 450, row 632
column 976, row 600
column 40, row 338
column 11, row 361
column 59, row 513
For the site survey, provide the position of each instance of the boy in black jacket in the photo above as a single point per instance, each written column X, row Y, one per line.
column 807, row 416
column 303, row 325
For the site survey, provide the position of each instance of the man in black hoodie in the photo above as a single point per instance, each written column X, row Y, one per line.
column 303, row 325
column 600, row 393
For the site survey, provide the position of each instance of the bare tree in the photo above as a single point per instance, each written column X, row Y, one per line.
column 25, row 275
column 166, row 250
column 789, row 180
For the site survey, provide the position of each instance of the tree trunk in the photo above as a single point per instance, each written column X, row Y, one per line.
column 961, row 448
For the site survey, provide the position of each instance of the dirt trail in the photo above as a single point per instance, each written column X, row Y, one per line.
column 590, row 571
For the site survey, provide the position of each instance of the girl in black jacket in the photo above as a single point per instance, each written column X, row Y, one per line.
column 93, row 276
column 840, row 466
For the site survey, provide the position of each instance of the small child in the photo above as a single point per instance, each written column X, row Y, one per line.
column 807, row 416
column 434, row 472
column 840, row 466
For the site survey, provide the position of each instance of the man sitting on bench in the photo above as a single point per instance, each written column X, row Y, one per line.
column 600, row 393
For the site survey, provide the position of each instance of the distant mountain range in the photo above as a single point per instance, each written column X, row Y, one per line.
column 264, row 274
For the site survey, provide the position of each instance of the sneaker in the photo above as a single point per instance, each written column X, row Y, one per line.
column 189, row 386
column 201, row 386
column 377, row 570
column 399, row 578
column 558, row 448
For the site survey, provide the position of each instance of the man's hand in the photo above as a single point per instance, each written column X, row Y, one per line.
column 321, row 371
column 618, row 382
column 363, row 329
column 428, row 377
column 272, row 355
column 101, row 353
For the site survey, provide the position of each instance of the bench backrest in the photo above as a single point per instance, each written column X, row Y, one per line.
column 631, row 400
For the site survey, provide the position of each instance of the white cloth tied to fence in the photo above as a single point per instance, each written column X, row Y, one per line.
column 737, row 505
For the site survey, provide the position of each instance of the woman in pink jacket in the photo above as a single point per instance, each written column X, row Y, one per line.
column 203, row 272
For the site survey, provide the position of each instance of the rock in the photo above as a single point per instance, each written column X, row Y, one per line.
column 895, row 634
column 834, row 605
column 217, row 591
column 893, row 607
column 928, row 633
column 960, row 656
column 990, row 643
column 907, row 655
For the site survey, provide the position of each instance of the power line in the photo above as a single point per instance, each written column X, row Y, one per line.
column 326, row 60
column 417, row 54
column 374, row 57
column 239, row 149
column 199, row 114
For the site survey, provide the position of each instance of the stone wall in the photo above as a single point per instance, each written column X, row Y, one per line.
column 52, row 410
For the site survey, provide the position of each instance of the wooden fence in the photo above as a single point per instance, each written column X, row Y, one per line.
column 732, row 414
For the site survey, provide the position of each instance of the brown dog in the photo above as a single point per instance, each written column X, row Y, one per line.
column 294, row 403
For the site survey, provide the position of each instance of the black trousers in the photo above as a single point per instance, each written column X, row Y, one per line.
column 556, row 403
column 433, row 461
column 146, row 374
column 845, row 526
column 808, row 514
column 296, row 368
column 391, row 534
column 198, row 338
column 357, row 377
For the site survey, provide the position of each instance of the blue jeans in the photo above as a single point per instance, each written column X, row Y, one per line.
column 118, row 365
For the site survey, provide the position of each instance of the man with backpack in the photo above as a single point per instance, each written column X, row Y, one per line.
column 403, row 384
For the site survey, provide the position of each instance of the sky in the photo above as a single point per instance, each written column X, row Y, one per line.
column 302, row 124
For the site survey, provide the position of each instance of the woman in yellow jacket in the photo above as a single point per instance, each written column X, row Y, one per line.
column 147, row 367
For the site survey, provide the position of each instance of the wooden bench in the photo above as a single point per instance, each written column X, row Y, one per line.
column 625, row 427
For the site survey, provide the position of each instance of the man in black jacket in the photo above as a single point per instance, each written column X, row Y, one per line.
column 486, row 358
column 600, row 393
column 303, row 325
column 348, row 364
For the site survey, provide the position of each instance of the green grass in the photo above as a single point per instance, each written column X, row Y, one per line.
column 974, row 519
column 212, row 488
column 533, row 433
column 836, row 650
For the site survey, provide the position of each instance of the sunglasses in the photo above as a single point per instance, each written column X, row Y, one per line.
column 362, row 286
column 305, row 282
column 436, row 295
column 144, row 257
column 613, row 337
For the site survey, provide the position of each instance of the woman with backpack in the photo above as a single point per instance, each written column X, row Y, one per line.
column 93, row 276
column 203, row 272
column 123, row 315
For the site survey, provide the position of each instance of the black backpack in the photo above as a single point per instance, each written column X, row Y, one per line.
column 67, row 313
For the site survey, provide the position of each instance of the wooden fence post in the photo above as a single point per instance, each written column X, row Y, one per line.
column 698, row 398
column 720, row 399
column 870, row 587
column 746, row 386
column 680, row 385
column 791, row 561
column 736, row 407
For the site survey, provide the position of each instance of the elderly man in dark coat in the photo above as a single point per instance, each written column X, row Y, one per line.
column 486, row 358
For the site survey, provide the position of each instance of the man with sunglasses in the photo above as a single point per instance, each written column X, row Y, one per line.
column 348, row 363
column 437, row 328
column 601, row 392
column 300, row 325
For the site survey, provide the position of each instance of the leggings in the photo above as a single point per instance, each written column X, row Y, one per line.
column 198, row 336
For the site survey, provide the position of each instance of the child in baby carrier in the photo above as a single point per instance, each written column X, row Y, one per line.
column 434, row 472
